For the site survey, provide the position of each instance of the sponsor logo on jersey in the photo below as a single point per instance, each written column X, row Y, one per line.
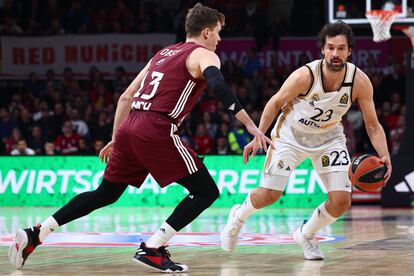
column 344, row 99
column 325, row 161
column 280, row 165
column 287, row 168
column 169, row 53
column 232, row 106
column 308, row 122
column 140, row 105
column 160, row 61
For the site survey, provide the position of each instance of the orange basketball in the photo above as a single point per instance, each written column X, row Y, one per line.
column 367, row 173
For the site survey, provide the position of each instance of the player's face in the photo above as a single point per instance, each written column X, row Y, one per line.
column 336, row 52
column 213, row 37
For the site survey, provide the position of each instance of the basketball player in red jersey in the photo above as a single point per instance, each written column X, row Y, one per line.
column 145, row 140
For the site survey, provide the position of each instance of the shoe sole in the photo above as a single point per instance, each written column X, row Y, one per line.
column 222, row 236
column 296, row 239
column 16, row 255
column 185, row 269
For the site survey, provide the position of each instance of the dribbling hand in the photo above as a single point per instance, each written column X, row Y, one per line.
column 387, row 163
column 106, row 152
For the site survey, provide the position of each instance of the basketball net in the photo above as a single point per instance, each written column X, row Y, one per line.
column 381, row 21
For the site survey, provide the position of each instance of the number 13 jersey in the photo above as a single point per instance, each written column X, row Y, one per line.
column 319, row 111
column 168, row 87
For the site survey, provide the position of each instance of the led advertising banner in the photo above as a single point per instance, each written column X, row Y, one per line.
column 53, row 181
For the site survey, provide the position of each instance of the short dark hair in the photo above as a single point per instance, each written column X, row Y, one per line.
column 334, row 29
column 200, row 17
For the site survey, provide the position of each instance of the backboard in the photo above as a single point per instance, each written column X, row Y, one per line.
column 353, row 11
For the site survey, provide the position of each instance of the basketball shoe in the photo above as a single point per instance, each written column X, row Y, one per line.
column 157, row 259
column 230, row 234
column 309, row 244
column 24, row 243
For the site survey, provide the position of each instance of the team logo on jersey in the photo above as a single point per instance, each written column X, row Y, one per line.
column 280, row 165
column 325, row 161
column 344, row 99
column 315, row 97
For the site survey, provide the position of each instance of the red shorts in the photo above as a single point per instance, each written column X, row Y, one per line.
column 147, row 143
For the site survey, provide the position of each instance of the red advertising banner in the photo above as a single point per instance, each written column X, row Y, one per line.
column 22, row 55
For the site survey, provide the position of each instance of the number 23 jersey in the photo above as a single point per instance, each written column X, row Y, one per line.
column 320, row 111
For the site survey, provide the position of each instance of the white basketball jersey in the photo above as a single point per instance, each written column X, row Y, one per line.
column 319, row 111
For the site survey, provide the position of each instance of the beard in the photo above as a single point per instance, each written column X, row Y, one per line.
column 335, row 67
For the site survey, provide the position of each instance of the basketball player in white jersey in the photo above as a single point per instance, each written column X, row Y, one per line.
column 312, row 102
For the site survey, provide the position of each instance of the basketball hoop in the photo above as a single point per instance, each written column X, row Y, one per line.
column 381, row 21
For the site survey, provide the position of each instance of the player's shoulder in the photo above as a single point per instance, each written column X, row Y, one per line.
column 202, row 56
column 361, row 79
column 302, row 75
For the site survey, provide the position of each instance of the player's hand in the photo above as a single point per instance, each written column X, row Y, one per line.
column 106, row 152
column 387, row 163
column 260, row 139
column 247, row 150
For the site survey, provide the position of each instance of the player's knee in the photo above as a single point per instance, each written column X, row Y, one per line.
column 212, row 194
column 341, row 203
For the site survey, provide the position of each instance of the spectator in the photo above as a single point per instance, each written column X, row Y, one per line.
column 238, row 138
column 78, row 124
column 10, row 27
column 203, row 142
column 11, row 142
column 6, row 124
column 397, row 134
column 49, row 148
column 84, row 147
column 22, row 149
column 36, row 141
column 222, row 147
column 98, row 145
column 68, row 142
column 102, row 128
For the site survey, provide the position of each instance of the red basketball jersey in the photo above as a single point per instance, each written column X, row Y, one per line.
column 168, row 87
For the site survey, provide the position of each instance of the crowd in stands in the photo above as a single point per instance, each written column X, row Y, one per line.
column 74, row 117
column 71, row 116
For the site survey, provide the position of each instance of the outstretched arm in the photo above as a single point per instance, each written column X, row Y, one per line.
column 364, row 94
column 208, row 64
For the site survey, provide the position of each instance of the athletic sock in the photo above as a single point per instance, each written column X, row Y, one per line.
column 161, row 236
column 47, row 227
column 245, row 210
column 319, row 219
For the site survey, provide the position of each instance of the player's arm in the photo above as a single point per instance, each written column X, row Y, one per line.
column 297, row 83
column 364, row 94
column 206, row 64
column 122, row 110
column 124, row 102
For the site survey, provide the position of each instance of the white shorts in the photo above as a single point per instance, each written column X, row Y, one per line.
column 327, row 151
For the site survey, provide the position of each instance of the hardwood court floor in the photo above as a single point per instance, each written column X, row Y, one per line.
column 367, row 241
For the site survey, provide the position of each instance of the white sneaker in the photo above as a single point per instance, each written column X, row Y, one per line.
column 309, row 244
column 230, row 234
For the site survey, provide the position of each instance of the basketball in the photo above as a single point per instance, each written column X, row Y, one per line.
column 367, row 173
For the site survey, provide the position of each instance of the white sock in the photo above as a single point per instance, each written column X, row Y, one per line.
column 161, row 236
column 245, row 210
column 319, row 219
column 47, row 227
